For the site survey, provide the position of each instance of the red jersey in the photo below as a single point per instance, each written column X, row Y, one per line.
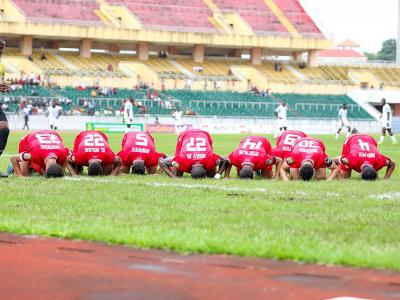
column 285, row 142
column 195, row 145
column 308, row 149
column 41, row 145
column 361, row 149
column 254, row 150
column 92, row 144
column 139, row 146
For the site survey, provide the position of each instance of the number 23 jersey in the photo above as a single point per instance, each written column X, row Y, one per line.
column 195, row 146
column 90, row 145
column 41, row 145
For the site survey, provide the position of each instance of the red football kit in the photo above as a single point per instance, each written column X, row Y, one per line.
column 359, row 150
column 307, row 149
column 92, row 144
column 195, row 146
column 41, row 145
column 139, row 146
column 254, row 150
column 285, row 142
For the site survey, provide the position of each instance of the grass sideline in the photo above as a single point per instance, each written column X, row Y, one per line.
column 343, row 222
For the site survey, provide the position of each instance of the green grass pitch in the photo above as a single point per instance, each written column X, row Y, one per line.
column 341, row 222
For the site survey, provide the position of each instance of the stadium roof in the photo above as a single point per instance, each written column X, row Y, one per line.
column 348, row 44
column 342, row 53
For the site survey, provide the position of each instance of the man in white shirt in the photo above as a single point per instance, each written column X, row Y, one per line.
column 54, row 112
column 281, row 113
column 386, row 122
column 177, row 115
column 343, row 121
column 128, row 113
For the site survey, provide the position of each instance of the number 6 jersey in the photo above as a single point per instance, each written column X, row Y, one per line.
column 41, row 145
column 90, row 145
column 195, row 146
column 285, row 142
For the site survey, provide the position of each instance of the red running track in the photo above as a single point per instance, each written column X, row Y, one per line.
column 44, row 268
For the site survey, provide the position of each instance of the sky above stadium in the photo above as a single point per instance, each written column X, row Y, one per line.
column 367, row 22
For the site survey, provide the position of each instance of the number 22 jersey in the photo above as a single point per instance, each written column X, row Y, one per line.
column 92, row 144
column 195, row 146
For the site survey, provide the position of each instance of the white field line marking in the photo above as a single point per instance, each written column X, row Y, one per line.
column 395, row 195
column 347, row 298
column 175, row 184
column 195, row 186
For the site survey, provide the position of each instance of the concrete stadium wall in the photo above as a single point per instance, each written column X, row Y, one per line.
column 212, row 124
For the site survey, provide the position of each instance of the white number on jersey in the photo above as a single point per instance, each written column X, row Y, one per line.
column 197, row 144
column 363, row 145
column 141, row 139
column 248, row 144
column 308, row 144
column 94, row 140
column 290, row 139
column 47, row 138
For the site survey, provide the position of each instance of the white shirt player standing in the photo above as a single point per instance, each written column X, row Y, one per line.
column 281, row 113
column 128, row 113
column 343, row 121
column 54, row 112
column 386, row 122
column 177, row 115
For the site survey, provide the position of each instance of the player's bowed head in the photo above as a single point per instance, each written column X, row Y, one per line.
column 53, row 170
column 247, row 172
column 368, row 173
column 198, row 171
column 138, row 167
column 307, row 170
column 95, row 168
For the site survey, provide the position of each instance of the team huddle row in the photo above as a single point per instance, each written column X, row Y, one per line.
column 296, row 156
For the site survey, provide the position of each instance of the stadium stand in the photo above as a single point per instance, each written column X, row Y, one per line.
column 164, row 68
column 295, row 13
column 209, row 68
column 256, row 13
column 175, row 15
column 61, row 11
column 284, row 75
column 216, row 103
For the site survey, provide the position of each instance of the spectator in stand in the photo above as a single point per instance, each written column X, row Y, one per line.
column 110, row 68
column 42, row 55
column 93, row 93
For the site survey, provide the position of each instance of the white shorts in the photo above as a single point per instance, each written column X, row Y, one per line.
column 282, row 123
column 386, row 124
column 53, row 122
column 127, row 120
column 345, row 123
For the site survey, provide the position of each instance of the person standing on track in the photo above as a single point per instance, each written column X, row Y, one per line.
column 386, row 121
column 281, row 113
column 54, row 112
column 128, row 113
column 177, row 115
column 4, row 129
column 343, row 121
